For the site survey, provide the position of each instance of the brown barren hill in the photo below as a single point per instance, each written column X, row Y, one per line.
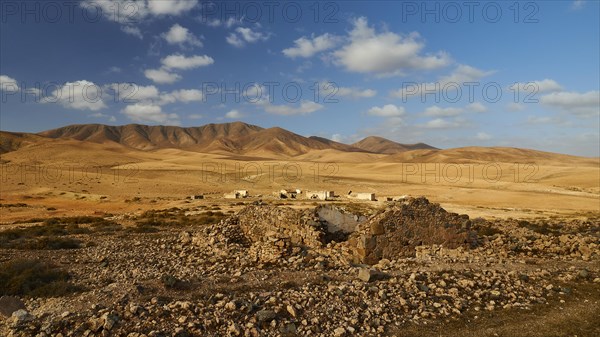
column 12, row 141
column 381, row 145
column 489, row 154
column 236, row 138
column 338, row 146
column 144, row 137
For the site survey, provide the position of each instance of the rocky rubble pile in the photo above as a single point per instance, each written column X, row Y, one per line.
column 335, row 305
column 569, row 243
column 396, row 231
column 271, row 233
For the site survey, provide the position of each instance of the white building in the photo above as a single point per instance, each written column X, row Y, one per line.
column 366, row 196
column 238, row 194
column 320, row 195
column 292, row 194
column 242, row 193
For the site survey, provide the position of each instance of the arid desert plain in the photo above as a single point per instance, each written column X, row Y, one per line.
column 139, row 231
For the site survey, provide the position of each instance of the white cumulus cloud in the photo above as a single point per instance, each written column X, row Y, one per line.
column 8, row 84
column 133, row 31
column 389, row 110
column 188, row 95
column 385, row 53
column 440, row 123
column 436, row 111
column 149, row 113
column 234, row 114
column 130, row 13
column 171, row 7
column 162, row 76
column 307, row 47
column 460, row 75
column 244, row 35
column 306, row 107
column 78, row 95
column 581, row 104
column 356, row 93
column 178, row 61
column 228, row 23
column 181, row 36
column 477, row 107
column 545, row 85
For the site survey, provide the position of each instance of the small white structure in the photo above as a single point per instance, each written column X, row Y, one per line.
column 242, row 193
column 196, row 196
column 366, row 196
column 362, row 196
column 320, row 195
column 239, row 194
column 292, row 194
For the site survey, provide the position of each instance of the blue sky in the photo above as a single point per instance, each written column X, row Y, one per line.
column 444, row 73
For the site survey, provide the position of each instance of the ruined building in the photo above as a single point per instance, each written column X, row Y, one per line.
column 271, row 232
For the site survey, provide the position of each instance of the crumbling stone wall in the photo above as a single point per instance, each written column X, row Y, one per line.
column 272, row 233
column 269, row 232
column 338, row 220
column 395, row 232
column 300, row 227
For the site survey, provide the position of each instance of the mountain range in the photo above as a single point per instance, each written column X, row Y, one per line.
column 234, row 138
column 247, row 141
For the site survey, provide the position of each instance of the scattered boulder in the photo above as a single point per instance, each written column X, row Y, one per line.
column 185, row 237
column 234, row 329
column 109, row 320
column 169, row 281
column 338, row 332
column 370, row 274
column 265, row 316
column 288, row 329
column 20, row 317
column 10, row 304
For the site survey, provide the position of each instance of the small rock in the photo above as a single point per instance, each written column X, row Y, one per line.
column 583, row 274
column 10, row 304
column 234, row 329
column 265, row 316
column 185, row 237
column 369, row 274
column 288, row 329
column 21, row 316
column 134, row 309
column 109, row 320
column 230, row 306
column 377, row 228
column 169, row 281
column 339, row 332
column 292, row 311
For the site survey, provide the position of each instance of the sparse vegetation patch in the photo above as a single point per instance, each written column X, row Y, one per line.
column 36, row 278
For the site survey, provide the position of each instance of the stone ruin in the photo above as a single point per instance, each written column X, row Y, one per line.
column 271, row 233
column 398, row 230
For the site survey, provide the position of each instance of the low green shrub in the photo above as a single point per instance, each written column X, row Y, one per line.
column 35, row 278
